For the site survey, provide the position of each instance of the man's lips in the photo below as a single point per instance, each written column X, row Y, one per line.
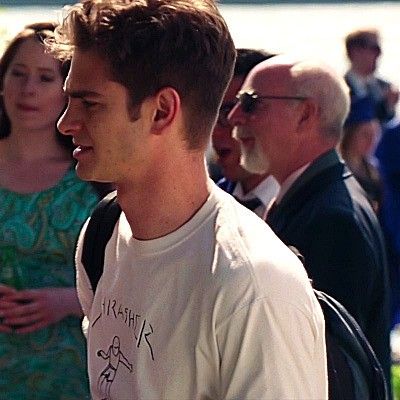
column 81, row 150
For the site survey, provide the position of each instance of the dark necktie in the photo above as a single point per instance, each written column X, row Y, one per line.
column 251, row 204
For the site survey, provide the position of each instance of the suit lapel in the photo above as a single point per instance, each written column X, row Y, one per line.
column 322, row 171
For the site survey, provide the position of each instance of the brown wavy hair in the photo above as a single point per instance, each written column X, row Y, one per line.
column 151, row 44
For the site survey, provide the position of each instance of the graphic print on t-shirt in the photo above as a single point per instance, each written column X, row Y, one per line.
column 137, row 331
column 111, row 308
column 115, row 357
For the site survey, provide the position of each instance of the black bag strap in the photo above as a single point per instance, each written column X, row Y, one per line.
column 343, row 329
column 98, row 232
column 358, row 349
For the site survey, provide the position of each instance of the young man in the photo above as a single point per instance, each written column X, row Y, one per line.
column 198, row 298
column 363, row 51
column 289, row 121
column 255, row 191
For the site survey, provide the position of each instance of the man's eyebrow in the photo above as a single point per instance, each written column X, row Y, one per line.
column 81, row 93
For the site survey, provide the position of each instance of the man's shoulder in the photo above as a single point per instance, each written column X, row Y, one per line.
column 248, row 270
column 249, row 249
column 343, row 210
column 333, row 201
column 383, row 83
column 318, row 188
column 344, row 200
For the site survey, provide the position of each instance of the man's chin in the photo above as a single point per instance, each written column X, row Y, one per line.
column 254, row 166
column 87, row 174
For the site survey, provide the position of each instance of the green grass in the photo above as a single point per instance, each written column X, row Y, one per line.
column 396, row 381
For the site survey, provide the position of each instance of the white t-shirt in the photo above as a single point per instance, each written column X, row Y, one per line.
column 218, row 309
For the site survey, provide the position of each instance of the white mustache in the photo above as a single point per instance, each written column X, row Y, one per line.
column 239, row 133
column 235, row 131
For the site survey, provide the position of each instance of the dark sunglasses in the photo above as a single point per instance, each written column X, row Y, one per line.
column 224, row 111
column 249, row 99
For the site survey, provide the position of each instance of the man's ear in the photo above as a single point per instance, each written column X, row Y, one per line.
column 167, row 105
column 309, row 114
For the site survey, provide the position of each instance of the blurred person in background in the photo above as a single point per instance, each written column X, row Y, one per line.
column 388, row 155
column 361, row 133
column 255, row 191
column 363, row 50
column 43, row 206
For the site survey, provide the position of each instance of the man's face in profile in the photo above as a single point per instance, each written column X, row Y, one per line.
column 225, row 146
column 110, row 145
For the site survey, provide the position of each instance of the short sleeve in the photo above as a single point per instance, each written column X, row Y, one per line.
column 273, row 350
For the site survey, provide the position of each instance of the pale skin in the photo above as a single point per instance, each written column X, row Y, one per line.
column 32, row 160
column 147, row 158
column 286, row 135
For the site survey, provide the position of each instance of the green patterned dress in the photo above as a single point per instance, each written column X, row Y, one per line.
column 42, row 229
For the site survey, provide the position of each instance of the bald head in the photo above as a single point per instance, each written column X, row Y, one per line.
column 271, row 74
column 309, row 79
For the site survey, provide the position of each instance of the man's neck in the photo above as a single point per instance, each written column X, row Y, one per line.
column 360, row 73
column 288, row 182
column 165, row 201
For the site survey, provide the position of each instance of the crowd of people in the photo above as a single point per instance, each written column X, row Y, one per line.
column 200, row 296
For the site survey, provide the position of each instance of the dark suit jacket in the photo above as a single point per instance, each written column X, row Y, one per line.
column 327, row 217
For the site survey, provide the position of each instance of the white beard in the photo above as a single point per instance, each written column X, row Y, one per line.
column 252, row 159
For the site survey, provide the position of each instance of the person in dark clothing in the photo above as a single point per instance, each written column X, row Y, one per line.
column 363, row 51
column 360, row 136
column 289, row 119
column 388, row 155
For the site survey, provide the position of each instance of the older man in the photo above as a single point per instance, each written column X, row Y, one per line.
column 289, row 120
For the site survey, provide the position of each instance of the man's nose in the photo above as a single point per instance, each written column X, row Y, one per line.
column 237, row 116
column 69, row 122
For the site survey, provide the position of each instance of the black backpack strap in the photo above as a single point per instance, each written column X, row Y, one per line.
column 345, row 329
column 354, row 371
column 98, row 233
